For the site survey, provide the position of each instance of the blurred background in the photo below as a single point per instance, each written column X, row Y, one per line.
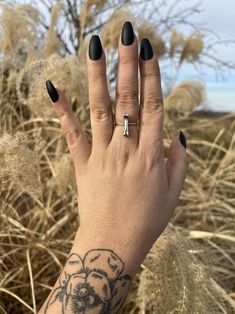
column 219, row 17
column 191, row 268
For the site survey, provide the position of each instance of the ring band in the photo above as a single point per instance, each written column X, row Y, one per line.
column 126, row 123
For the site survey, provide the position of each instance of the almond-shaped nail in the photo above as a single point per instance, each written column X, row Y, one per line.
column 182, row 139
column 52, row 91
column 95, row 48
column 146, row 51
column 128, row 35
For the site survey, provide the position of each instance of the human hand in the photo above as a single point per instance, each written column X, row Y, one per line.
column 127, row 191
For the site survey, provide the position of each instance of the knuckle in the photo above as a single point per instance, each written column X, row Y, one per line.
column 127, row 96
column 71, row 135
column 100, row 114
column 126, row 59
column 153, row 102
column 62, row 114
column 151, row 156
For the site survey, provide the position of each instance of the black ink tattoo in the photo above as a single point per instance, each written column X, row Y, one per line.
column 94, row 284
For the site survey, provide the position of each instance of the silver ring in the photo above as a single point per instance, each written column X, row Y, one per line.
column 126, row 123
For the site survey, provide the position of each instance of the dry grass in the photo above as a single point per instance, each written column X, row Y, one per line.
column 193, row 47
column 184, row 98
column 111, row 30
column 190, row 269
column 147, row 29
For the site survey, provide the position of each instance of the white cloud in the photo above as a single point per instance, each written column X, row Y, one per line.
column 220, row 101
column 219, row 16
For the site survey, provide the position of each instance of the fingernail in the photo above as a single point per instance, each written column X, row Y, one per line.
column 182, row 139
column 146, row 51
column 52, row 91
column 95, row 48
column 127, row 34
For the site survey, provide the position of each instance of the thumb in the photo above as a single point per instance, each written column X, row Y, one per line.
column 176, row 166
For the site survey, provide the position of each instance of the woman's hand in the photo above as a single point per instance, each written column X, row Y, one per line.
column 127, row 192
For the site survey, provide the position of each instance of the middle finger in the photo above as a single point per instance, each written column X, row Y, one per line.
column 127, row 86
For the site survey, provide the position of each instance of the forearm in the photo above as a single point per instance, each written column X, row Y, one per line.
column 95, row 279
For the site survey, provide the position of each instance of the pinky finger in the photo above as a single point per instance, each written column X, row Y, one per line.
column 177, row 166
column 76, row 138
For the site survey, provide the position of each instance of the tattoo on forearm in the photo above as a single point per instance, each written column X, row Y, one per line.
column 94, row 284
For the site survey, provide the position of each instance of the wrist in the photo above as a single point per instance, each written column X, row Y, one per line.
column 130, row 252
column 96, row 277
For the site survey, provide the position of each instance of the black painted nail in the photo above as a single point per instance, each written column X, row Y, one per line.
column 182, row 139
column 146, row 51
column 95, row 48
column 52, row 91
column 127, row 34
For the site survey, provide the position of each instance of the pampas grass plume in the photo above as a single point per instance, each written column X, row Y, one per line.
column 193, row 47
column 185, row 97
column 72, row 80
column 99, row 4
column 147, row 29
column 18, row 29
column 177, row 40
column 112, row 29
column 19, row 164
column 52, row 42
column 64, row 175
column 89, row 8
column 174, row 280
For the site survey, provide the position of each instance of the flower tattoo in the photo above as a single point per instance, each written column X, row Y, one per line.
column 94, row 284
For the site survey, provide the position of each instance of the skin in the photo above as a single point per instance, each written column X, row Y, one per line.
column 127, row 189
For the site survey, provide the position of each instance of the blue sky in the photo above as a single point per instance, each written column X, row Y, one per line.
column 220, row 17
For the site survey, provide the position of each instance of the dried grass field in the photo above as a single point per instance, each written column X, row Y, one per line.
column 191, row 268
